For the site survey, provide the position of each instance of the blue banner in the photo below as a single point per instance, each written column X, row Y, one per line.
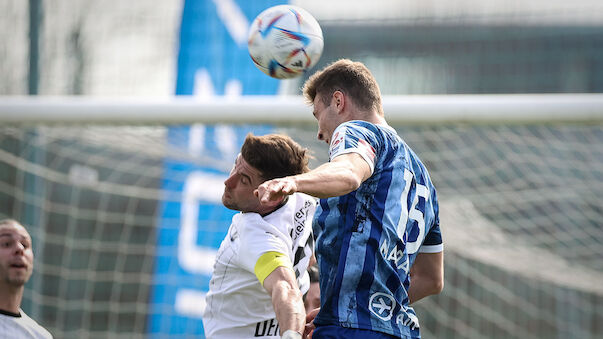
column 212, row 60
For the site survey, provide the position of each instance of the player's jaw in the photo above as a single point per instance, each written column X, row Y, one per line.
column 240, row 200
column 19, row 273
column 228, row 200
column 16, row 272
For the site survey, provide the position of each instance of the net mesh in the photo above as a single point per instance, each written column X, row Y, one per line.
column 520, row 208
column 521, row 203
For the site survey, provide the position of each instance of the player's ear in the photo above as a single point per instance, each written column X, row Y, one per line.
column 338, row 100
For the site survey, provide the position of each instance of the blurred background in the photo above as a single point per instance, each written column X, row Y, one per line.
column 126, row 217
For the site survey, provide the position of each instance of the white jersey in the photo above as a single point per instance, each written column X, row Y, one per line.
column 237, row 305
column 22, row 327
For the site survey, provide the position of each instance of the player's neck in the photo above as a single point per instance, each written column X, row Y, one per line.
column 368, row 116
column 10, row 298
column 376, row 119
column 265, row 213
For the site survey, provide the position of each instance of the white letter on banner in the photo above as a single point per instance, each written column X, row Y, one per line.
column 225, row 138
column 234, row 20
column 196, row 139
column 199, row 186
column 190, row 303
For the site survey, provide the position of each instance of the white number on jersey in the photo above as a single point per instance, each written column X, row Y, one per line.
column 413, row 213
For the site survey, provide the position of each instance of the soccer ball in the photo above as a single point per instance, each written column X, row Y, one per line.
column 285, row 41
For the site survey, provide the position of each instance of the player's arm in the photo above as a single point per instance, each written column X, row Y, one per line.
column 342, row 175
column 426, row 276
column 286, row 297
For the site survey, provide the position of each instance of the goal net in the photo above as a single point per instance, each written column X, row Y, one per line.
column 125, row 210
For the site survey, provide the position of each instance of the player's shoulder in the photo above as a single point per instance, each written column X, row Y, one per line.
column 348, row 133
column 367, row 130
column 32, row 326
column 250, row 224
column 357, row 125
column 303, row 199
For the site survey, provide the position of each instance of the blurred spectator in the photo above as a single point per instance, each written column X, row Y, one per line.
column 16, row 266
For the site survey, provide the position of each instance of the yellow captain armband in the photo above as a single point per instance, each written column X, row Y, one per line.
column 268, row 262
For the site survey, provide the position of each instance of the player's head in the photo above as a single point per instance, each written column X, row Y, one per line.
column 262, row 158
column 344, row 90
column 16, row 254
column 312, row 297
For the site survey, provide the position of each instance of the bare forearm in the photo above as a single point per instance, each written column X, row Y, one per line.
column 328, row 180
column 341, row 176
column 421, row 288
column 426, row 276
column 289, row 308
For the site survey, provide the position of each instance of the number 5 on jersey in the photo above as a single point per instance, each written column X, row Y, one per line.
column 412, row 245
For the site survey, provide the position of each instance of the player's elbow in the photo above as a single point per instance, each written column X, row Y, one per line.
column 435, row 285
column 438, row 286
column 352, row 178
column 352, row 182
column 428, row 284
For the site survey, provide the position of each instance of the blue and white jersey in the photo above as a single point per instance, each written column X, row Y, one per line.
column 368, row 239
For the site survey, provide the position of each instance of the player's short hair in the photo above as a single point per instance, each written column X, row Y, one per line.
column 352, row 78
column 4, row 222
column 275, row 155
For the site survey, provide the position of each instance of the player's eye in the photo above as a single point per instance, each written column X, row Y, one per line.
column 5, row 244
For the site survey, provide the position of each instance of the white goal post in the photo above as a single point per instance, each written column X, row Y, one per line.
column 293, row 109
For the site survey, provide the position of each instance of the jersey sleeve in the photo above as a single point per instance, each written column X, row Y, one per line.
column 433, row 241
column 351, row 138
column 263, row 247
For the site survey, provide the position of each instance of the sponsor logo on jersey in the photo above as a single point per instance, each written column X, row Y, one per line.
column 408, row 319
column 382, row 305
column 336, row 143
column 266, row 328
column 299, row 220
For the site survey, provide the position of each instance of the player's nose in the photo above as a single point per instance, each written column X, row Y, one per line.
column 230, row 181
column 19, row 248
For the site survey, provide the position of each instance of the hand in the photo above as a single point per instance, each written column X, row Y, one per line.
column 275, row 190
column 309, row 329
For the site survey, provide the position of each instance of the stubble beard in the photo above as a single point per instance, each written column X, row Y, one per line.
column 16, row 280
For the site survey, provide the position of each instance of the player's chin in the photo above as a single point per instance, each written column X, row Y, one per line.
column 18, row 280
column 228, row 203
